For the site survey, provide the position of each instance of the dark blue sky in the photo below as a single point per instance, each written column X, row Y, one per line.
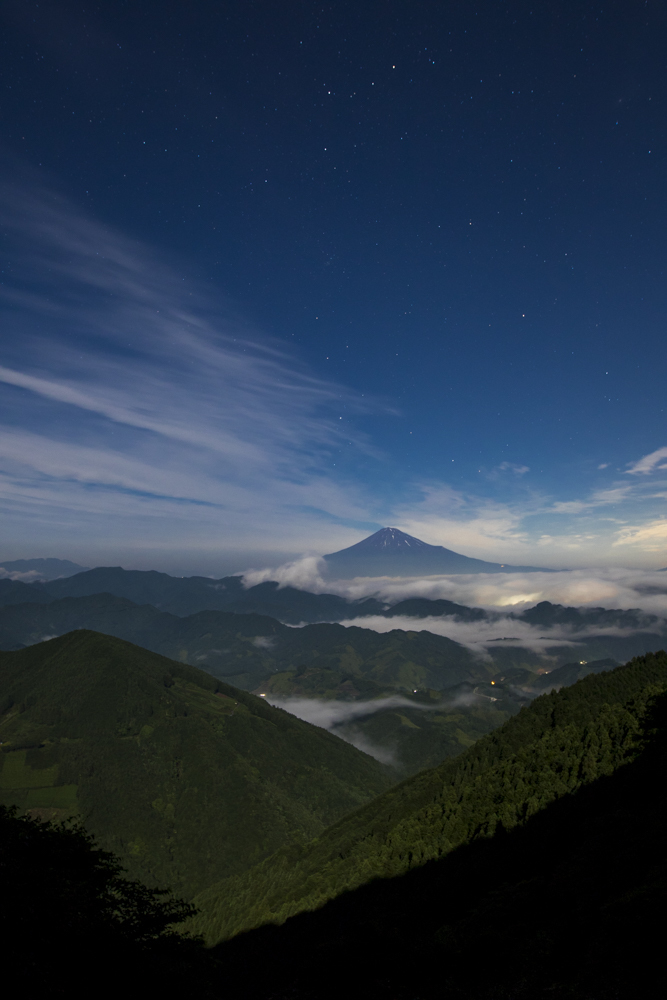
column 449, row 219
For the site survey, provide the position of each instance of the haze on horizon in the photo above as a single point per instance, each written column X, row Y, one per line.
column 275, row 280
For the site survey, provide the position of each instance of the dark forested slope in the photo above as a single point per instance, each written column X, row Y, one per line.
column 185, row 778
column 562, row 741
column 569, row 905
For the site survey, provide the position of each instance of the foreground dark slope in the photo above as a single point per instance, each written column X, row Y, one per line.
column 562, row 741
column 570, row 904
column 185, row 778
column 63, row 899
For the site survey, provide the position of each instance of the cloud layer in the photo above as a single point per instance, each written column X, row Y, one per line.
column 329, row 714
column 339, row 716
column 609, row 588
column 484, row 635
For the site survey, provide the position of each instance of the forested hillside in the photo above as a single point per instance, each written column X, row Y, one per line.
column 185, row 778
column 568, row 905
column 562, row 741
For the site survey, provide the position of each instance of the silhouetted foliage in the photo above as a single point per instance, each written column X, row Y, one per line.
column 72, row 923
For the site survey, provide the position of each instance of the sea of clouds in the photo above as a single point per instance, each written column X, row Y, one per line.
column 502, row 595
column 598, row 587
column 480, row 636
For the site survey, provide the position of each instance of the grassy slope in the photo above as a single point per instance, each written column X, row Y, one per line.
column 563, row 740
column 185, row 778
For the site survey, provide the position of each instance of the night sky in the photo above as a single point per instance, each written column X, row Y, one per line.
column 276, row 275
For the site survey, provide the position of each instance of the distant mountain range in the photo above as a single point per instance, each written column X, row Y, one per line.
column 328, row 662
column 390, row 552
column 190, row 594
column 242, row 636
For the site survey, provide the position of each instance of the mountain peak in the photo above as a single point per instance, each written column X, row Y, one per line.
column 392, row 552
column 390, row 539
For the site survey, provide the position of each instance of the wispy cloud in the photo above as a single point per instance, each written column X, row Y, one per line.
column 532, row 528
column 649, row 463
column 307, row 573
column 599, row 498
column 518, row 470
column 474, row 525
column 131, row 393
column 329, row 714
column 649, row 537
column 339, row 716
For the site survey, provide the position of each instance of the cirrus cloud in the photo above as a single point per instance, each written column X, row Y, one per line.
column 649, row 463
column 136, row 405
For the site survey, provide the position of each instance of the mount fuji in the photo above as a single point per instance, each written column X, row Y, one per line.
column 390, row 552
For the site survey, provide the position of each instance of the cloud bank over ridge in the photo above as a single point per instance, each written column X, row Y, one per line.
column 597, row 587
